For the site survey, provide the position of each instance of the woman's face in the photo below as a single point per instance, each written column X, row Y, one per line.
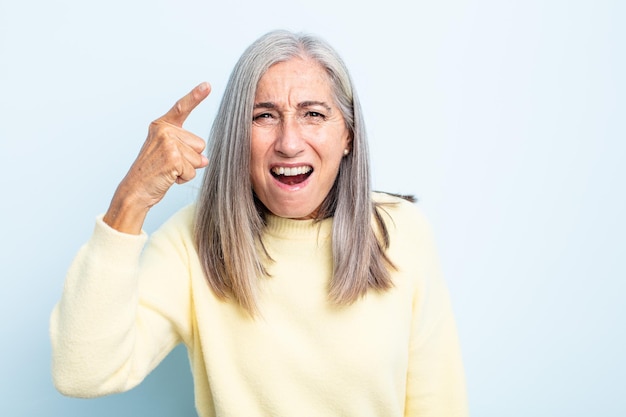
column 298, row 139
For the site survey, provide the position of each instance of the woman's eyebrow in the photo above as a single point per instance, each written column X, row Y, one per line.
column 265, row 105
column 312, row 103
column 302, row 105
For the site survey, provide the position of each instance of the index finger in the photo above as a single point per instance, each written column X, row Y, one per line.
column 183, row 107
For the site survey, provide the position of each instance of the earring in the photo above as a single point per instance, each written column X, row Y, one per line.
column 346, row 152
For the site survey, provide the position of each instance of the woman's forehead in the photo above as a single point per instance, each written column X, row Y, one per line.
column 296, row 81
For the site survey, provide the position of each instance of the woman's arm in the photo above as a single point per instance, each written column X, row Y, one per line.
column 169, row 155
column 123, row 307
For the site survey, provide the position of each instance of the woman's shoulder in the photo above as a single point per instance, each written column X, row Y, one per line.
column 400, row 213
column 408, row 232
column 396, row 205
column 392, row 198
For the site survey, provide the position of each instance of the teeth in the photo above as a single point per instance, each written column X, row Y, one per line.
column 290, row 172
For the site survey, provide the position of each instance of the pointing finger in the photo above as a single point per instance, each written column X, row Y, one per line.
column 183, row 107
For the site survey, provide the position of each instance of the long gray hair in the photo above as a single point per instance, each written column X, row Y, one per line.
column 230, row 220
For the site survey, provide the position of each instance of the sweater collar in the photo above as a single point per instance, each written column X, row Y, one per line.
column 282, row 227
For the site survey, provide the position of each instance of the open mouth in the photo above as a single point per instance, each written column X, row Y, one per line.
column 292, row 175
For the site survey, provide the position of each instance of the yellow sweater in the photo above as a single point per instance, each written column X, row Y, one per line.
column 127, row 303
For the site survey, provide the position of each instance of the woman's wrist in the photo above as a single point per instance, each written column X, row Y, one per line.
column 126, row 213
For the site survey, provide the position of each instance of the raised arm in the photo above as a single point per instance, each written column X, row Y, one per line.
column 169, row 155
column 126, row 304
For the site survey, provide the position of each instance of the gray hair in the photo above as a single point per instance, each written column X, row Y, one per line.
column 229, row 219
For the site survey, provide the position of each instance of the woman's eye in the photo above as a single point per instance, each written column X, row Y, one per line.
column 266, row 119
column 315, row 114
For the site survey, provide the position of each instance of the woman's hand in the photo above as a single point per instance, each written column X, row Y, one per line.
column 169, row 155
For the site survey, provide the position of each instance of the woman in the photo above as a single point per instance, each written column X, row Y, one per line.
column 296, row 290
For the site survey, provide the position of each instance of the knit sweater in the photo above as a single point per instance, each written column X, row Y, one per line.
column 129, row 300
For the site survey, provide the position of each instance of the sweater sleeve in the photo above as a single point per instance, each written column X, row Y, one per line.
column 435, row 379
column 124, row 307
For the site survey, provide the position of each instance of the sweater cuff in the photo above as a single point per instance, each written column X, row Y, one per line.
column 105, row 237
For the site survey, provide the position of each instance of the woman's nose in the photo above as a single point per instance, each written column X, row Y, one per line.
column 289, row 142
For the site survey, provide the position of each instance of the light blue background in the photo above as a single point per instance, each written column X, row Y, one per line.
column 506, row 119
